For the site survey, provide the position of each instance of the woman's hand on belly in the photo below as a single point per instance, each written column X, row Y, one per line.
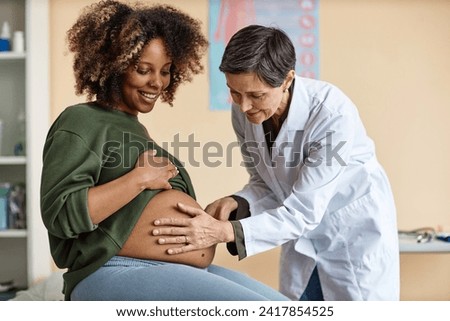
column 142, row 244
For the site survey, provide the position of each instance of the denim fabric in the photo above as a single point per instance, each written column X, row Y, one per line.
column 313, row 291
column 129, row 279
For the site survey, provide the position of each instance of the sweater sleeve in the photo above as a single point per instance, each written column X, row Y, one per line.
column 70, row 168
column 243, row 210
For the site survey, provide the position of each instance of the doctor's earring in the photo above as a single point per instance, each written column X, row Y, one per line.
column 286, row 87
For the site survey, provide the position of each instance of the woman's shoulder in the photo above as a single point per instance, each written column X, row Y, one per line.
column 82, row 112
column 82, row 120
column 91, row 117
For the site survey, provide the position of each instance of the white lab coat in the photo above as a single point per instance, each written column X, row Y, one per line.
column 323, row 195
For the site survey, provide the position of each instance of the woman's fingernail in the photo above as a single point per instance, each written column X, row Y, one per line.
column 155, row 232
column 157, row 222
column 170, row 251
column 161, row 241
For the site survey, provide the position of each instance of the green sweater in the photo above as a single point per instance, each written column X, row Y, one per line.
column 88, row 146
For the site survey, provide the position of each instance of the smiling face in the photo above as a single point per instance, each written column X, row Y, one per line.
column 256, row 99
column 144, row 82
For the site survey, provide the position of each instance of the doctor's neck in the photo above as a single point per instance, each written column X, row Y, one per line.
column 281, row 110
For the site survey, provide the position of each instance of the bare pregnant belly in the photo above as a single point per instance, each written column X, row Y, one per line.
column 143, row 245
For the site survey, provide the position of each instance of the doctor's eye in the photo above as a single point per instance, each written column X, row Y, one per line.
column 258, row 96
column 236, row 96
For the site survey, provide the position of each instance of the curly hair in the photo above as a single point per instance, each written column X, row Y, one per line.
column 109, row 36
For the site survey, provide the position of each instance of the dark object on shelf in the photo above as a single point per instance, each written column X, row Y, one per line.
column 4, row 193
column 12, row 206
column 443, row 237
column 422, row 235
column 16, row 207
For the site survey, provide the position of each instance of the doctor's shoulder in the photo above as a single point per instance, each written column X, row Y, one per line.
column 329, row 95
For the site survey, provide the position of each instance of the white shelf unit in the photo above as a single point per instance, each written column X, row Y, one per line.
column 13, row 160
column 13, row 233
column 24, row 85
column 9, row 55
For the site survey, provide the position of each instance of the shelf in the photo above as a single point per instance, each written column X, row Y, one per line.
column 13, row 233
column 13, row 160
column 24, row 87
column 9, row 55
column 410, row 245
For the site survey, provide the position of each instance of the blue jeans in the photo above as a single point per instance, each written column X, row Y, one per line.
column 129, row 279
column 313, row 291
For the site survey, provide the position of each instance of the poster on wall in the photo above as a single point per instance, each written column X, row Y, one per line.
column 298, row 18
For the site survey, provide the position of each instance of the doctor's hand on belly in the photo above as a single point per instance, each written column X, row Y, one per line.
column 154, row 173
column 142, row 244
column 199, row 231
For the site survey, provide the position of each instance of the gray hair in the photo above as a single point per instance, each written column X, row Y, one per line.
column 267, row 51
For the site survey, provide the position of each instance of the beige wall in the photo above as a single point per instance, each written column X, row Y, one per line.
column 391, row 57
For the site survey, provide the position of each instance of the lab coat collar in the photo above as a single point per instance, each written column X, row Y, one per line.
column 296, row 120
column 299, row 108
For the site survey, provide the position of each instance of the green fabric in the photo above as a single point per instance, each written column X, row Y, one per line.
column 243, row 210
column 88, row 146
column 238, row 246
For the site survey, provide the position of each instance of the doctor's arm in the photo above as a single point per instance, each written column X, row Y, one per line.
column 304, row 207
column 320, row 172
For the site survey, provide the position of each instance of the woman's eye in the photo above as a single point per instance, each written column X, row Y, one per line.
column 142, row 71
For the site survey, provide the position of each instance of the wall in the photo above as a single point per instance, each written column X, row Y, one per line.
column 390, row 57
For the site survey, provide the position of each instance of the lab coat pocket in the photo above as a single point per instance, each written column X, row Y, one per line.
column 347, row 226
column 357, row 220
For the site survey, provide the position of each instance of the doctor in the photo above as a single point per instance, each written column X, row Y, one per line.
column 315, row 186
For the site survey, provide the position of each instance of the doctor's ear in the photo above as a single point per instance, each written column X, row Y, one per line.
column 289, row 79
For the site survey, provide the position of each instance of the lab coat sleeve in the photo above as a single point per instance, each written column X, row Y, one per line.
column 256, row 191
column 331, row 136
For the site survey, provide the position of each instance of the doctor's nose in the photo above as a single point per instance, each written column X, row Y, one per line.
column 245, row 105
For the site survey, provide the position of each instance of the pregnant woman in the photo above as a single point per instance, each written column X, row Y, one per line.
column 104, row 180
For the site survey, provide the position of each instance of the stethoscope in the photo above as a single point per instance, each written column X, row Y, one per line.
column 422, row 235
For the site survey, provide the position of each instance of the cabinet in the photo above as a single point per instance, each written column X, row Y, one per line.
column 24, row 93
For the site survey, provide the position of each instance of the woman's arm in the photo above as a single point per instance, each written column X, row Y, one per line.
column 68, row 185
column 150, row 172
